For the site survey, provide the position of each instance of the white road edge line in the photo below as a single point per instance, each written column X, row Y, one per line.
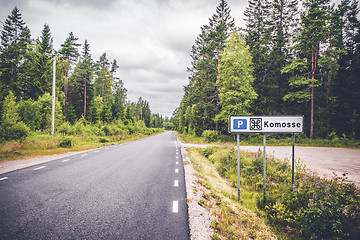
column 84, row 155
column 176, row 183
column 176, row 170
column 177, row 163
column 66, row 160
column 175, row 207
column 4, row 178
column 38, row 168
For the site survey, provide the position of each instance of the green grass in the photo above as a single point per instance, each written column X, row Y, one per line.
column 231, row 220
column 316, row 209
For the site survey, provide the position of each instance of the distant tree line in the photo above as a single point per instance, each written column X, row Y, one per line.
column 290, row 59
column 85, row 89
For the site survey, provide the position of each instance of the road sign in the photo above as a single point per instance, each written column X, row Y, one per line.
column 266, row 124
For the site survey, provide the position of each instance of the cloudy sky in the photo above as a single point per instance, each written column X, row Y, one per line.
column 150, row 39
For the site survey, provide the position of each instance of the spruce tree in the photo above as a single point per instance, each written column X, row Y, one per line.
column 235, row 81
column 15, row 41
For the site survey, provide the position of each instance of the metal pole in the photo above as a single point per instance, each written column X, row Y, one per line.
column 238, row 164
column 53, row 97
column 293, row 161
column 264, row 166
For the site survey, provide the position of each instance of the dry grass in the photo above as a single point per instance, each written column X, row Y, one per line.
column 44, row 144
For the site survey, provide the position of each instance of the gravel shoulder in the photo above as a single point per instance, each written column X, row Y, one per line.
column 199, row 218
column 9, row 166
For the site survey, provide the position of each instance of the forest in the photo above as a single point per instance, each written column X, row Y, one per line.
column 87, row 91
column 292, row 58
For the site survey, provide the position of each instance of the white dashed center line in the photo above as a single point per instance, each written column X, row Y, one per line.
column 38, row 168
column 175, row 206
column 66, row 160
column 4, row 178
column 176, row 183
column 84, row 155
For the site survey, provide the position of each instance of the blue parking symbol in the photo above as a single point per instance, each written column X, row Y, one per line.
column 240, row 123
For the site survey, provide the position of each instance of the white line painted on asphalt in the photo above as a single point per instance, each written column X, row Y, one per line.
column 176, row 170
column 175, row 207
column 176, row 183
column 84, row 155
column 4, row 178
column 66, row 160
column 96, row 151
column 38, row 168
column 177, row 163
column 177, row 157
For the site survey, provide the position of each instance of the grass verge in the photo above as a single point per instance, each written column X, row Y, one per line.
column 43, row 144
column 231, row 219
column 315, row 209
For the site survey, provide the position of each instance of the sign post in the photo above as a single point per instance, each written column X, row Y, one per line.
column 266, row 124
column 238, row 164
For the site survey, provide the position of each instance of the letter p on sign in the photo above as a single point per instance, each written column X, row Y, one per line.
column 240, row 123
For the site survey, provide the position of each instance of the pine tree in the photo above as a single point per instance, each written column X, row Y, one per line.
column 69, row 53
column 103, row 80
column 308, row 49
column 81, row 90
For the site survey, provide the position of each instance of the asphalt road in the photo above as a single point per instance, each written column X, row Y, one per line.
column 127, row 191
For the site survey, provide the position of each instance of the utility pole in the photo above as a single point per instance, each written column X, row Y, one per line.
column 53, row 97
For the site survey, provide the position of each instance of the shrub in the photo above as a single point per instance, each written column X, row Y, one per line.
column 13, row 131
column 65, row 143
column 64, row 128
column 210, row 135
column 103, row 139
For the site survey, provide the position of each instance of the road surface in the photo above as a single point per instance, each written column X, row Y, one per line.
column 322, row 160
column 126, row 191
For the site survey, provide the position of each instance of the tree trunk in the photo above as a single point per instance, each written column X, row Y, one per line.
column 66, row 89
column 218, row 90
column 102, row 86
column 312, row 113
column 85, row 98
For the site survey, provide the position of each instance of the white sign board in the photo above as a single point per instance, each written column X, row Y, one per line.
column 266, row 124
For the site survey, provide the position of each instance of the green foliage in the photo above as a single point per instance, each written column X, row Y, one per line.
column 168, row 125
column 315, row 209
column 13, row 131
column 210, row 135
column 11, row 128
column 235, row 81
column 65, row 142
